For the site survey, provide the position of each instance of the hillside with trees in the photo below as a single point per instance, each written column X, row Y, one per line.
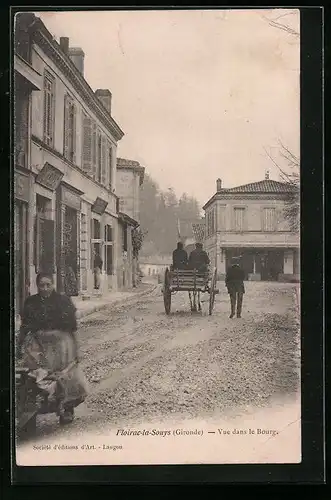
column 160, row 212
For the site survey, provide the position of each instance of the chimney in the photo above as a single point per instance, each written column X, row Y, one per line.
column 219, row 185
column 267, row 175
column 77, row 55
column 104, row 96
column 64, row 44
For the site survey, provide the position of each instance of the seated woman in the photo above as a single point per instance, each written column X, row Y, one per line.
column 47, row 339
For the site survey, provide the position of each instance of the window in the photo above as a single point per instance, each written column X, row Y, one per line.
column 96, row 243
column 211, row 222
column 239, row 214
column 49, row 96
column 108, row 249
column 21, row 126
column 96, row 232
column 269, row 219
column 44, row 256
column 87, row 145
column 69, row 129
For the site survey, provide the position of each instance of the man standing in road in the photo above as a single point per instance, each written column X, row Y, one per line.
column 234, row 282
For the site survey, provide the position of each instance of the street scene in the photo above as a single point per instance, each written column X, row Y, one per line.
column 157, row 283
column 143, row 365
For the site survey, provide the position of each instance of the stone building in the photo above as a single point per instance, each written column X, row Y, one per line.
column 72, row 211
column 130, row 176
column 26, row 81
column 248, row 221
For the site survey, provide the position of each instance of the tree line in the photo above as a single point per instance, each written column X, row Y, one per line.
column 163, row 216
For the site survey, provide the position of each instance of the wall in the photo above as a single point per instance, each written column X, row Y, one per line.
column 253, row 235
column 73, row 175
column 128, row 191
column 41, row 62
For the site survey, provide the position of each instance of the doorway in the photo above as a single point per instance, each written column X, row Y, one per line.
column 70, row 249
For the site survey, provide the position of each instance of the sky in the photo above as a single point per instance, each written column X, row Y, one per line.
column 199, row 95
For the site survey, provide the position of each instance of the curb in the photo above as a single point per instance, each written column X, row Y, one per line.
column 83, row 314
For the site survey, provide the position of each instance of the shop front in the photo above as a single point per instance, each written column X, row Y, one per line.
column 68, row 212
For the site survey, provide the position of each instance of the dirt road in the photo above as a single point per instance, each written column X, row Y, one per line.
column 142, row 364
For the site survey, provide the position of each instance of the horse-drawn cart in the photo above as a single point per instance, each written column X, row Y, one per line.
column 192, row 281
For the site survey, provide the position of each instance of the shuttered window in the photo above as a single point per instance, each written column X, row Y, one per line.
column 94, row 151
column 239, row 214
column 69, row 129
column 49, row 96
column 103, row 162
column 87, row 144
column 269, row 219
column 110, row 165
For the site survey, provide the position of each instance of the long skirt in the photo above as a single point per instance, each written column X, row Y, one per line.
column 55, row 352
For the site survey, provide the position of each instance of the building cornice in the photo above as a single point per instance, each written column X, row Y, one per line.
column 245, row 196
column 59, row 155
column 28, row 72
column 43, row 38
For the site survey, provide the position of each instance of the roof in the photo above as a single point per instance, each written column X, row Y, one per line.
column 127, row 219
column 131, row 165
column 267, row 186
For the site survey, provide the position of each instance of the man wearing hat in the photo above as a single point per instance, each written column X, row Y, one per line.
column 234, row 282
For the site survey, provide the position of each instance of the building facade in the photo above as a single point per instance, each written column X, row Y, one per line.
column 73, row 209
column 130, row 176
column 154, row 266
column 248, row 221
column 26, row 82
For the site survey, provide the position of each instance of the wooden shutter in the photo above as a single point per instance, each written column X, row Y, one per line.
column 74, row 132
column 110, row 166
column 87, row 145
column 94, row 151
column 103, row 162
column 66, row 128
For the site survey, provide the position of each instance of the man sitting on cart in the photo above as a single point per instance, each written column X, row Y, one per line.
column 179, row 257
column 199, row 259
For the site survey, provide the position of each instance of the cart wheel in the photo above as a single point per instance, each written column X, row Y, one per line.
column 212, row 292
column 167, row 292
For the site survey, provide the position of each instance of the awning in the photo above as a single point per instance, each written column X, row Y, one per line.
column 33, row 78
column 127, row 219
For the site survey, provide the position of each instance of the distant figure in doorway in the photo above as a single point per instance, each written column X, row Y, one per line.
column 71, row 288
column 234, row 282
column 97, row 270
column 179, row 257
column 199, row 259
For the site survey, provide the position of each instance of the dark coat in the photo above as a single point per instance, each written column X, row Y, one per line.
column 179, row 258
column 198, row 260
column 98, row 261
column 56, row 312
column 234, row 279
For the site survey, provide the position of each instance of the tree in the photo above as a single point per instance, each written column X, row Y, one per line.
column 291, row 177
